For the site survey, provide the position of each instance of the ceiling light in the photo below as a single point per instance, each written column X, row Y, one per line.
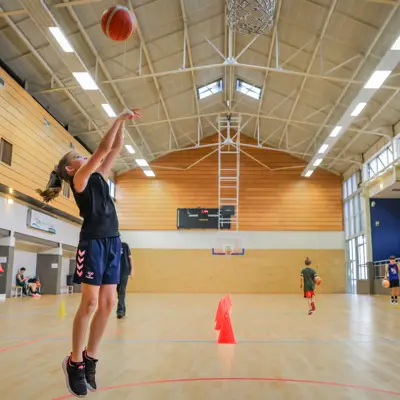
column 141, row 162
column 108, row 109
column 396, row 44
column 308, row 174
column 130, row 149
column 377, row 79
column 317, row 162
column 149, row 172
column 323, row 148
column 61, row 39
column 10, row 190
column 10, row 201
column 85, row 80
column 359, row 107
column 336, row 131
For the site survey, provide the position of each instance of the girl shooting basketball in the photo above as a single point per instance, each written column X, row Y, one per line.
column 307, row 282
column 99, row 250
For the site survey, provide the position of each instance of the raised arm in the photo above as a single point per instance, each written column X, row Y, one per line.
column 109, row 160
column 82, row 175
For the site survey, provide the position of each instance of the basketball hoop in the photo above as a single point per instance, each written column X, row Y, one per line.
column 228, row 250
column 251, row 16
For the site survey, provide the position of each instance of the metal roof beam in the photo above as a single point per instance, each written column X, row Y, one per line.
column 60, row 5
column 189, row 53
column 44, row 19
column 105, row 72
column 366, row 125
column 155, row 80
column 355, row 73
column 310, row 65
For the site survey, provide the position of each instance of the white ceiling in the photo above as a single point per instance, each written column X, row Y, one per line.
column 317, row 40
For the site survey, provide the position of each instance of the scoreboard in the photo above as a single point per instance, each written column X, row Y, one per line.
column 203, row 218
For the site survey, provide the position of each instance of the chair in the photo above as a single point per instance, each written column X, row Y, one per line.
column 16, row 291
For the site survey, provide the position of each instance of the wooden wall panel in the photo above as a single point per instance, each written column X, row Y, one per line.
column 269, row 200
column 258, row 271
column 36, row 149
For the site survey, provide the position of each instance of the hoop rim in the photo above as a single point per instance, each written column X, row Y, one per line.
column 222, row 252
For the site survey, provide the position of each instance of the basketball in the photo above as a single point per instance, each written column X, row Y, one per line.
column 317, row 280
column 118, row 23
column 385, row 283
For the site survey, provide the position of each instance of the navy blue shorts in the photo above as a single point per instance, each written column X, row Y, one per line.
column 97, row 261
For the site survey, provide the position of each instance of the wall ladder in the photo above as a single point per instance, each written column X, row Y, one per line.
column 228, row 168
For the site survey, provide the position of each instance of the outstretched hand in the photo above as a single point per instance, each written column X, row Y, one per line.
column 129, row 115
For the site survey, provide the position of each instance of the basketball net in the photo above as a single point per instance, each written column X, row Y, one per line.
column 251, row 16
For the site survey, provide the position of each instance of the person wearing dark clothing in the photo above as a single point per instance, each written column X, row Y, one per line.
column 126, row 272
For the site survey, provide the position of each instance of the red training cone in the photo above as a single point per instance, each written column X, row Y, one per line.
column 219, row 317
column 229, row 301
column 226, row 335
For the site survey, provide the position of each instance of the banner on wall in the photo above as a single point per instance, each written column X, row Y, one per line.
column 40, row 221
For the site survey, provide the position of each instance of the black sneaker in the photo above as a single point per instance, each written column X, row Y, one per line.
column 90, row 372
column 120, row 316
column 75, row 377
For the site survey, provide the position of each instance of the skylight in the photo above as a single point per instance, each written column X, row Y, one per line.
column 248, row 89
column 209, row 89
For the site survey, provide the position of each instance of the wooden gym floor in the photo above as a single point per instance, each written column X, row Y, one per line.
column 166, row 349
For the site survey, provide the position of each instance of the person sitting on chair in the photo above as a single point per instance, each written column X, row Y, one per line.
column 27, row 287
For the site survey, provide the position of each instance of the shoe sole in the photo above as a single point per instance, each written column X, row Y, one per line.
column 90, row 388
column 64, row 368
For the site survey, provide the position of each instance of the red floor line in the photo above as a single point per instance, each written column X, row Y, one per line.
column 284, row 380
column 25, row 343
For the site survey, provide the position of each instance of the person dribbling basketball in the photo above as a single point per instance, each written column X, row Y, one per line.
column 307, row 283
column 392, row 275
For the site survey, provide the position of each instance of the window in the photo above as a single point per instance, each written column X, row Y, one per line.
column 380, row 162
column 112, row 186
column 209, row 89
column 5, row 152
column 248, row 89
column 66, row 190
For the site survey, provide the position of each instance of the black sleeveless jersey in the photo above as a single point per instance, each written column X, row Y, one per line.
column 97, row 209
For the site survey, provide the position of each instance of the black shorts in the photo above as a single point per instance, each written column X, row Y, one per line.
column 394, row 283
column 97, row 261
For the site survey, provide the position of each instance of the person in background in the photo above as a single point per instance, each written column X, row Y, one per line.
column 22, row 281
column 307, row 282
column 126, row 273
column 392, row 275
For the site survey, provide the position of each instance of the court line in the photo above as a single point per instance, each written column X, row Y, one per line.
column 283, row 380
column 244, row 341
column 22, row 344
column 239, row 341
column 25, row 343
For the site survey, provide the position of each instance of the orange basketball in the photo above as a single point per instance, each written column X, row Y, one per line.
column 118, row 23
column 385, row 283
column 317, row 280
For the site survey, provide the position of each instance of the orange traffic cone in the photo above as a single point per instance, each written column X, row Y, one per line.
column 219, row 316
column 229, row 301
column 226, row 336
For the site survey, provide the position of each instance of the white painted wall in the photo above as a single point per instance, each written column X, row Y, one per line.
column 268, row 240
column 26, row 259
column 14, row 217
